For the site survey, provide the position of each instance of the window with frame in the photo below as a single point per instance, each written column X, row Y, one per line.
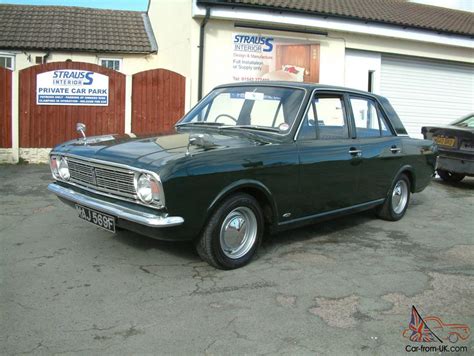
column 111, row 63
column 325, row 119
column 6, row 61
column 329, row 115
column 367, row 119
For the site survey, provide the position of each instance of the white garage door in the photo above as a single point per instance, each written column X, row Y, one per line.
column 427, row 92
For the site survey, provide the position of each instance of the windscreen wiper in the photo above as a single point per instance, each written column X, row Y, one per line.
column 251, row 127
column 200, row 123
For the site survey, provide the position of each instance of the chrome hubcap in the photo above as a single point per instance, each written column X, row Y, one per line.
column 238, row 232
column 399, row 196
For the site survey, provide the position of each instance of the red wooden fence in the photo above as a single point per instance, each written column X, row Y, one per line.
column 157, row 100
column 5, row 108
column 48, row 125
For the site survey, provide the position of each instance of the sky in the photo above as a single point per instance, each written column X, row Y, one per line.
column 137, row 5
column 141, row 5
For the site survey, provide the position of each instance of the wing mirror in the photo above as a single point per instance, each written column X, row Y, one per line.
column 81, row 128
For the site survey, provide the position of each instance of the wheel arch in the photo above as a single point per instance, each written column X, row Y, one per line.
column 410, row 173
column 254, row 188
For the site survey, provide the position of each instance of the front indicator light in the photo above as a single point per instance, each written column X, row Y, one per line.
column 53, row 164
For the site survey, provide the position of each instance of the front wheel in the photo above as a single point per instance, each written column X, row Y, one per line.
column 233, row 233
column 396, row 203
column 450, row 177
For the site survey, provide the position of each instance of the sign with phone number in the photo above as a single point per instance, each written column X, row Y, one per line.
column 72, row 87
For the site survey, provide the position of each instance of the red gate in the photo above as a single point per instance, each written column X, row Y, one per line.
column 5, row 108
column 157, row 100
column 43, row 126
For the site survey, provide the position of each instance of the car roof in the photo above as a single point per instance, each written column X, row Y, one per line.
column 301, row 85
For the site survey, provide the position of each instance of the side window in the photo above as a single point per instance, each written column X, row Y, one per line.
column 329, row 112
column 384, row 127
column 367, row 120
column 7, row 62
column 365, row 117
column 111, row 63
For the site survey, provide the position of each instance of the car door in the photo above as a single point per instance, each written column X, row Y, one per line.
column 381, row 150
column 329, row 162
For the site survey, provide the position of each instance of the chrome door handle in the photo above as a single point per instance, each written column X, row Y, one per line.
column 355, row 152
column 395, row 149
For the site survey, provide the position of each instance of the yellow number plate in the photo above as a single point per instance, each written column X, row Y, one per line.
column 445, row 141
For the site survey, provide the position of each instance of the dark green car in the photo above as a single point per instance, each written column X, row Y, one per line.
column 248, row 159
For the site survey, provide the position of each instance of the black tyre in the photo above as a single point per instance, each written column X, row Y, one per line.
column 451, row 177
column 397, row 201
column 233, row 233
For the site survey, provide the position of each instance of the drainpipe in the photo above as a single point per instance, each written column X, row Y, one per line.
column 201, row 51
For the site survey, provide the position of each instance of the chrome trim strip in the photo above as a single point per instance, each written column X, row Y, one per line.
column 107, row 164
column 332, row 212
column 121, row 212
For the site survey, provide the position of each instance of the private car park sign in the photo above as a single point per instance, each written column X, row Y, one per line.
column 72, row 87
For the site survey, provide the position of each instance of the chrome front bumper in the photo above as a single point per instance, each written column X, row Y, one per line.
column 121, row 212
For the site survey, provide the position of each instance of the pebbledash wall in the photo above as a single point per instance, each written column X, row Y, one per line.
column 347, row 51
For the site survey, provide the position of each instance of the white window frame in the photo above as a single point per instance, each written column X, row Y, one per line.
column 111, row 59
column 11, row 56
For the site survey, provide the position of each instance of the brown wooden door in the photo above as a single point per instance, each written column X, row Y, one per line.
column 5, row 108
column 305, row 56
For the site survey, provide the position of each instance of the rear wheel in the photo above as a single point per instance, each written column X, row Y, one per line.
column 233, row 233
column 397, row 201
column 451, row 177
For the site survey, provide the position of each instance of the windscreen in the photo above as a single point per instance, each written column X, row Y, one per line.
column 249, row 106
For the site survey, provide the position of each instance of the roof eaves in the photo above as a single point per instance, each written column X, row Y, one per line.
column 326, row 15
column 73, row 49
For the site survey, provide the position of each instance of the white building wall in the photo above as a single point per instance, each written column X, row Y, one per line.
column 358, row 64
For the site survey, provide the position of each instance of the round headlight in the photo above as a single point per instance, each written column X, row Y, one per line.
column 144, row 189
column 63, row 169
column 147, row 189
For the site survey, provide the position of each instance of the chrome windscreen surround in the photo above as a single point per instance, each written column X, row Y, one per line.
column 108, row 179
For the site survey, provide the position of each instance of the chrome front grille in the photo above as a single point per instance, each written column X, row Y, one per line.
column 104, row 178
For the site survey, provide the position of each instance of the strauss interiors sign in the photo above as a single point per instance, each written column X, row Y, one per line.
column 72, row 87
